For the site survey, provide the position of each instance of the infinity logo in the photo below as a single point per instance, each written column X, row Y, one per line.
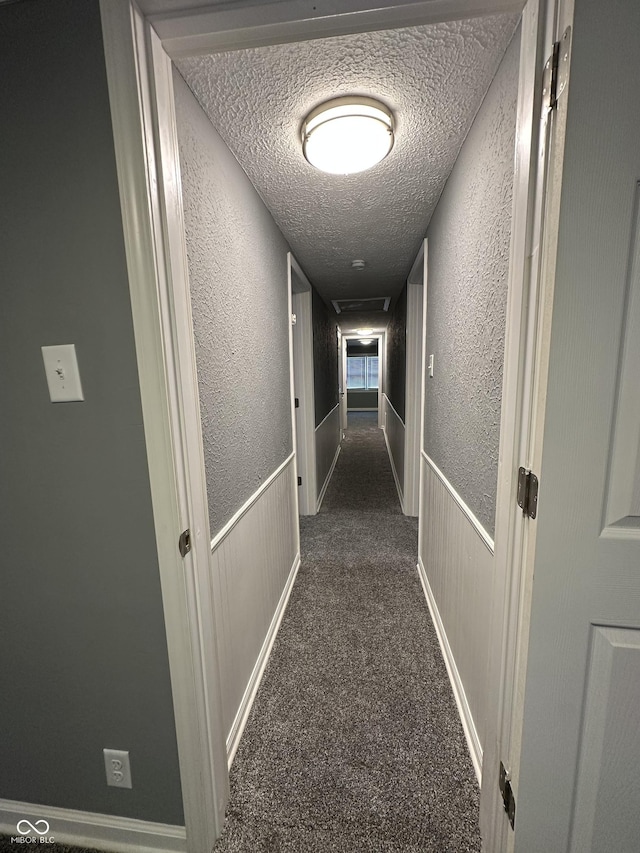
column 40, row 827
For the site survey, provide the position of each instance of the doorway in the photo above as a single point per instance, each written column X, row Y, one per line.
column 363, row 369
column 362, row 374
column 303, row 387
column 232, row 29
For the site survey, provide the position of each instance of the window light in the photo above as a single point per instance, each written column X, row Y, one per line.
column 344, row 136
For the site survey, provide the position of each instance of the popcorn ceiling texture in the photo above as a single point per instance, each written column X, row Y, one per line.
column 468, row 262
column 433, row 78
column 238, row 274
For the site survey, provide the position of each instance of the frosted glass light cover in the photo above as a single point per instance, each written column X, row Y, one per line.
column 346, row 136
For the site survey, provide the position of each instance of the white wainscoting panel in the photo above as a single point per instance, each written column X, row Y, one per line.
column 86, row 829
column 254, row 555
column 456, row 565
column 242, row 715
column 394, row 435
column 327, row 449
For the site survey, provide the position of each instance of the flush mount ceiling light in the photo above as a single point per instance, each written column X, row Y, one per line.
column 364, row 333
column 344, row 136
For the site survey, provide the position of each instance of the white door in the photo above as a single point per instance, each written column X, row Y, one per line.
column 578, row 789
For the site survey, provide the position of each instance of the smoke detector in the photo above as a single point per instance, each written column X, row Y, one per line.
column 358, row 264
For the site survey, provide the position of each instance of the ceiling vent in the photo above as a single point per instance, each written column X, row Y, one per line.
column 348, row 306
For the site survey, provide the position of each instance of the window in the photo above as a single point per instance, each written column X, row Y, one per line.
column 362, row 372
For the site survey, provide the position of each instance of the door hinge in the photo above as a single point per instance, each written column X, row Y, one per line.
column 297, row 402
column 508, row 798
column 299, row 481
column 556, row 73
column 184, row 542
column 527, row 492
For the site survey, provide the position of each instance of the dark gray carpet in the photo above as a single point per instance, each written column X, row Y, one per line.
column 354, row 744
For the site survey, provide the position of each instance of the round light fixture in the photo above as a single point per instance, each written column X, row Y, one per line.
column 347, row 135
column 364, row 333
column 366, row 341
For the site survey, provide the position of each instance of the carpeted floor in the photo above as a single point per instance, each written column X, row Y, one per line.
column 354, row 744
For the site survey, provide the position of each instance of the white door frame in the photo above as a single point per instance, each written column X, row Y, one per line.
column 423, row 391
column 342, row 381
column 380, row 337
column 382, row 374
column 416, row 329
column 144, row 124
column 344, row 399
column 302, row 360
column 543, row 257
column 137, row 51
column 529, row 310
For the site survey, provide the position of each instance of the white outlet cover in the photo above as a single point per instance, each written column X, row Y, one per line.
column 117, row 767
column 63, row 376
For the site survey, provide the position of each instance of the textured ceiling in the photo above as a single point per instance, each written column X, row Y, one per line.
column 432, row 77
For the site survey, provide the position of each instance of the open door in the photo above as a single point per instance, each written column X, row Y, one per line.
column 576, row 783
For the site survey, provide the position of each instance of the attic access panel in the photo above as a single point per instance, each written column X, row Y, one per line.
column 348, row 306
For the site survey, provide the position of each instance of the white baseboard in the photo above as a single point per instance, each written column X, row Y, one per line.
column 240, row 721
column 393, row 469
column 327, row 479
column 99, row 831
column 470, row 731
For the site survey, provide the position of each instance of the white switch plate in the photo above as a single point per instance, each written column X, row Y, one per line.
column 63, row 376
column 430, row 367
column 118, row 769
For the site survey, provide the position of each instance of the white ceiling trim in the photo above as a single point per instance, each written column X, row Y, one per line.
column 186, row 31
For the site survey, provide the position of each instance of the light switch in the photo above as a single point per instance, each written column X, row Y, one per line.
column 63, row 376
column 430, row 367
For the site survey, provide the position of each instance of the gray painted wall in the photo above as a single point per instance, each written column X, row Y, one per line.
column 466, row 299
column 238, row 273
column 325, row 358
column 362, row 399
column 84, row 660
column 396, row 364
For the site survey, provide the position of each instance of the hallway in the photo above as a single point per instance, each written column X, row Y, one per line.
column 354, row 742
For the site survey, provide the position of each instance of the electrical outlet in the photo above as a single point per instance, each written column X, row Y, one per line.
column 116, row 764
